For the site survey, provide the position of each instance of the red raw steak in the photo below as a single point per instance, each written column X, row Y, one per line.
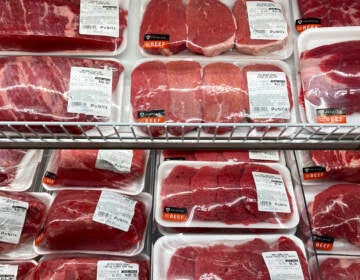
column 9, row 161
column 50, row 25
column 179, row 180
column 211, row 27
column 182, row 264
column 69, row 225
column 165, row 17
column 339, row 269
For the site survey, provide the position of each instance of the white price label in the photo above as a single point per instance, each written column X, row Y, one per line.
column 8, row 272
column 115, row 160
column 271, row 193
column 115, row 210
column 12, row 218
column 266, row 20
column 90, row 91
column 99, row 17
column 117, row 270
column 283, row 265
column 268, row 95
column 264, row 155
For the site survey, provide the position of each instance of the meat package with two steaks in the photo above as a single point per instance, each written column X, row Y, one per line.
column 22, row 216
column 91, row 267
column 100, row 222
column 221, row 195
column 187, row 91
column 214, row 27
column 333, row 267
column 17, row 270
column 263, row 257
column 59, row 89
column 64, row 26
column 329, row 77
column 122, row 170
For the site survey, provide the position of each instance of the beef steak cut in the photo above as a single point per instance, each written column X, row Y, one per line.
column 341, row 165
column 178, row 180
column 245, row 42
column 331, row 12
column 224, row 97
column 9, row 161
column 163, row 17
column 339, row 269
column 49, row 26
column 211, row 27
column 334, row 212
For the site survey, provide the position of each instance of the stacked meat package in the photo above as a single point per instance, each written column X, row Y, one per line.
column 170, row 70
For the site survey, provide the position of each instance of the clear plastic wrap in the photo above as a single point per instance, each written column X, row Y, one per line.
column 214, row 27
column 17, row 270
column 224, row 195
column 101, row 222
column 122, row 170
column 91, row 267
column 337, row 268
column 60, row 89
column 229, row 257
column 58, row 26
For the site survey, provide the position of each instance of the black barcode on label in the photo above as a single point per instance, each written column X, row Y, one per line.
column 261, row 109
column 103, row 214
column 78, row 104
column 267, row 203
column 89, row 26
column 260, row 31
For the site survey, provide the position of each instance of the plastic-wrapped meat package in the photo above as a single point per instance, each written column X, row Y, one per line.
column 331, row 13
column 95, row 221
column 330, row 82
column 22, row 218
column 334, row 212
column 123, row 170
column 339, row 268
column 224, row 196
column 17, row 270
column 61, row 26
column 9, row 160
column 45, row 89
column 224, row 258
column 255, row 37
column 91, row 268
column 163, row 27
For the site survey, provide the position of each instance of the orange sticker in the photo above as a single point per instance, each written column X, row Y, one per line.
column 154, row 116
column 314, row 173
column 331, row 115
column 324, row 243
column 307, row 23
column 156, row 41
column 49, row 178
column 175, row 214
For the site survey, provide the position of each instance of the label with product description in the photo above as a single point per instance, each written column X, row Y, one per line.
column 12, row 218
column 115, row 160
column 90, row 91
column 268, row 95
column 324, row 243
column 264, row 155
column 266, row 20
column 283, row 265
column 331, row 115
column 175, row 214
column 156, row 41
column 117, row 270
column 115, row 210
column 303, row 24
column 314, row 172
column 153, row 116
column 99, row 17
column 271, row 193
column 8, row 272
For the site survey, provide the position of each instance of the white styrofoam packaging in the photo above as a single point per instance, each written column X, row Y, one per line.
column 146, row 198
column 26, row 251
column 234, row 129
column 283, row 53
column 340, row 246
column 132, row 186
column 165, row 169
column 123, row 4
column 24, row 171
column 166, row 246
column 313, row 38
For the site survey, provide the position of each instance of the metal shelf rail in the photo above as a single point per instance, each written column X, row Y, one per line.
column 129, row 135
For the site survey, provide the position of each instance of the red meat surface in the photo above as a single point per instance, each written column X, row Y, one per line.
column 243, row 41
column 50, row 25
column 335, row 212
column 34, row 219
column 182, row 263
column 76, row 168
column 211, row 27
column 76, row 268
column 205, row 177
column 165, row 18
column 69, row 225
column 24, row 271
column 179, row 180
column 339, row 269
column 9, row 161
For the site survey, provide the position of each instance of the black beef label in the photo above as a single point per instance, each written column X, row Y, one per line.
column 156, row 41
column 49, row 178
column 314, row 172
column 153, row 116
column 174, row 214
column 303, row 24
column 174, row 158
column 324, row 243
column 331, row 115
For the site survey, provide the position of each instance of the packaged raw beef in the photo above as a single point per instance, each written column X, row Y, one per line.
column 260, row 257
column 224, row 195
column 333, row 267
column 95, row 222
column 17, row 270
column 60, row 26
column 329, row 76
column 91, row 267
column 22, row 217
column 59, row 89
column 122, row 170
column 17, row 168
column 187, row 91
